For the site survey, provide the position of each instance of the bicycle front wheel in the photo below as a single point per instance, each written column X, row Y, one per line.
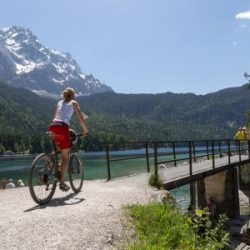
column 76, row 174
column 42, row 181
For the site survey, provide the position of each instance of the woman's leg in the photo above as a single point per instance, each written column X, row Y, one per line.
column 64, row 164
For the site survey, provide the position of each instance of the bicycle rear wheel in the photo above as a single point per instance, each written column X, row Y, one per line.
column 42, row 181
column 76, row 174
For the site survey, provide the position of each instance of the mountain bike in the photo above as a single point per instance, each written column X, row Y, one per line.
column 45, row 171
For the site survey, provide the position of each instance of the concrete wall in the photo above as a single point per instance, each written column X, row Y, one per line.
column 223, row 188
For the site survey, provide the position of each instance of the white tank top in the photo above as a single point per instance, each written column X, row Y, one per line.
column 64, row 111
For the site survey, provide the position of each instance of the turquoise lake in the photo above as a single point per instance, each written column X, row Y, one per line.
column 95, row 167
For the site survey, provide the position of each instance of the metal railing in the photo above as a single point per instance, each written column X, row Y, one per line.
column 175, row 152
column 116, row 159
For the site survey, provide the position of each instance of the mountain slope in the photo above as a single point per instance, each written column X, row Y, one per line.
column 172, row 116
column 24, row 119
column 124, row 117
column 26, row 63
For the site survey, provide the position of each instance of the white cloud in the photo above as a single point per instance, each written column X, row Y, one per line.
column 235, row 43
column 243, row 15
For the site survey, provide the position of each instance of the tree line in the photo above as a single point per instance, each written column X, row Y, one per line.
column 119, row 118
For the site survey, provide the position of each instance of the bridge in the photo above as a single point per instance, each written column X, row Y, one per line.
column 213, row 168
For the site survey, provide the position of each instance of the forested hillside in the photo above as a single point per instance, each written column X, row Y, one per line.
column 124, row 117
column 23, row 120
column 169, row 116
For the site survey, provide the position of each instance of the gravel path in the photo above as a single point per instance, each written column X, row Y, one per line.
column 91, row 219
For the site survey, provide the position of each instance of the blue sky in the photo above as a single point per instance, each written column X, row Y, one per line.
column 145, row 46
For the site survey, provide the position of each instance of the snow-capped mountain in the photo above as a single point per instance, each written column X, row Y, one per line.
column 26, row 63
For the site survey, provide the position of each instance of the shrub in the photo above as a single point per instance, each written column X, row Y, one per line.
column 155, row 181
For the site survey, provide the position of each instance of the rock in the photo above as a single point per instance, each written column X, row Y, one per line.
column 162, row 166
column 162, row 196
column 246, row 232
column 242, row 246
column 244, row 198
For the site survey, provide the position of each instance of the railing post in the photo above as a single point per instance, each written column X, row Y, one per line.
column 207, row 150
column 248, row 143
column 155, row 159
column 108, row 162
column 239, row 150
column 213, row 160
column 220, row 149
column 174, row 153
column 190, row 158
column 194, row 151
column 229, row 151
column 147, row 157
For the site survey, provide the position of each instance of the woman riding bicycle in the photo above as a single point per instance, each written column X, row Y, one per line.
column 60, row 128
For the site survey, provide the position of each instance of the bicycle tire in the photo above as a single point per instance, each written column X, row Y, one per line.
column 42, row 177
column 76, row 173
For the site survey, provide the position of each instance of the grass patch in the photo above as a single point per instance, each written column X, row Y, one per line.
column 163, row 227
column 155, row 181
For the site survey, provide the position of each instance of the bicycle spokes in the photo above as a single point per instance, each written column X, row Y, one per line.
column 42, row 181
column 75, row 173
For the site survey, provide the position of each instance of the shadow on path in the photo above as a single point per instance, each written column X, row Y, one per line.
column 69, row 199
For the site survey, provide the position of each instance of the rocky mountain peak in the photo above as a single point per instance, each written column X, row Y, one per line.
column 25, row 62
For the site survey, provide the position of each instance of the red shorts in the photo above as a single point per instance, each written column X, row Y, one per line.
column 62, row 135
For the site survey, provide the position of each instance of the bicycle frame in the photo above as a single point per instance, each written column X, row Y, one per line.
column 56, row 151
column 45, row 172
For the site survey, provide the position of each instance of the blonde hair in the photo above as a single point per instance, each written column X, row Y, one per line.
column 68, row 94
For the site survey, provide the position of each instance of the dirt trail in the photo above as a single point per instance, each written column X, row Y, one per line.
column 91, row 219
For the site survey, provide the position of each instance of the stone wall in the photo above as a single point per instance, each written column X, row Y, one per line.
column 244, row 177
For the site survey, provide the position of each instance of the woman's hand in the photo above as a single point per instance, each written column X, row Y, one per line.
column 85, row 133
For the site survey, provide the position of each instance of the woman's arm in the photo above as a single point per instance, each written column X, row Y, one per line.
column 80, row 118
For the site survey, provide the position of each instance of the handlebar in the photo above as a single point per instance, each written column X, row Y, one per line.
column 75, row 137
